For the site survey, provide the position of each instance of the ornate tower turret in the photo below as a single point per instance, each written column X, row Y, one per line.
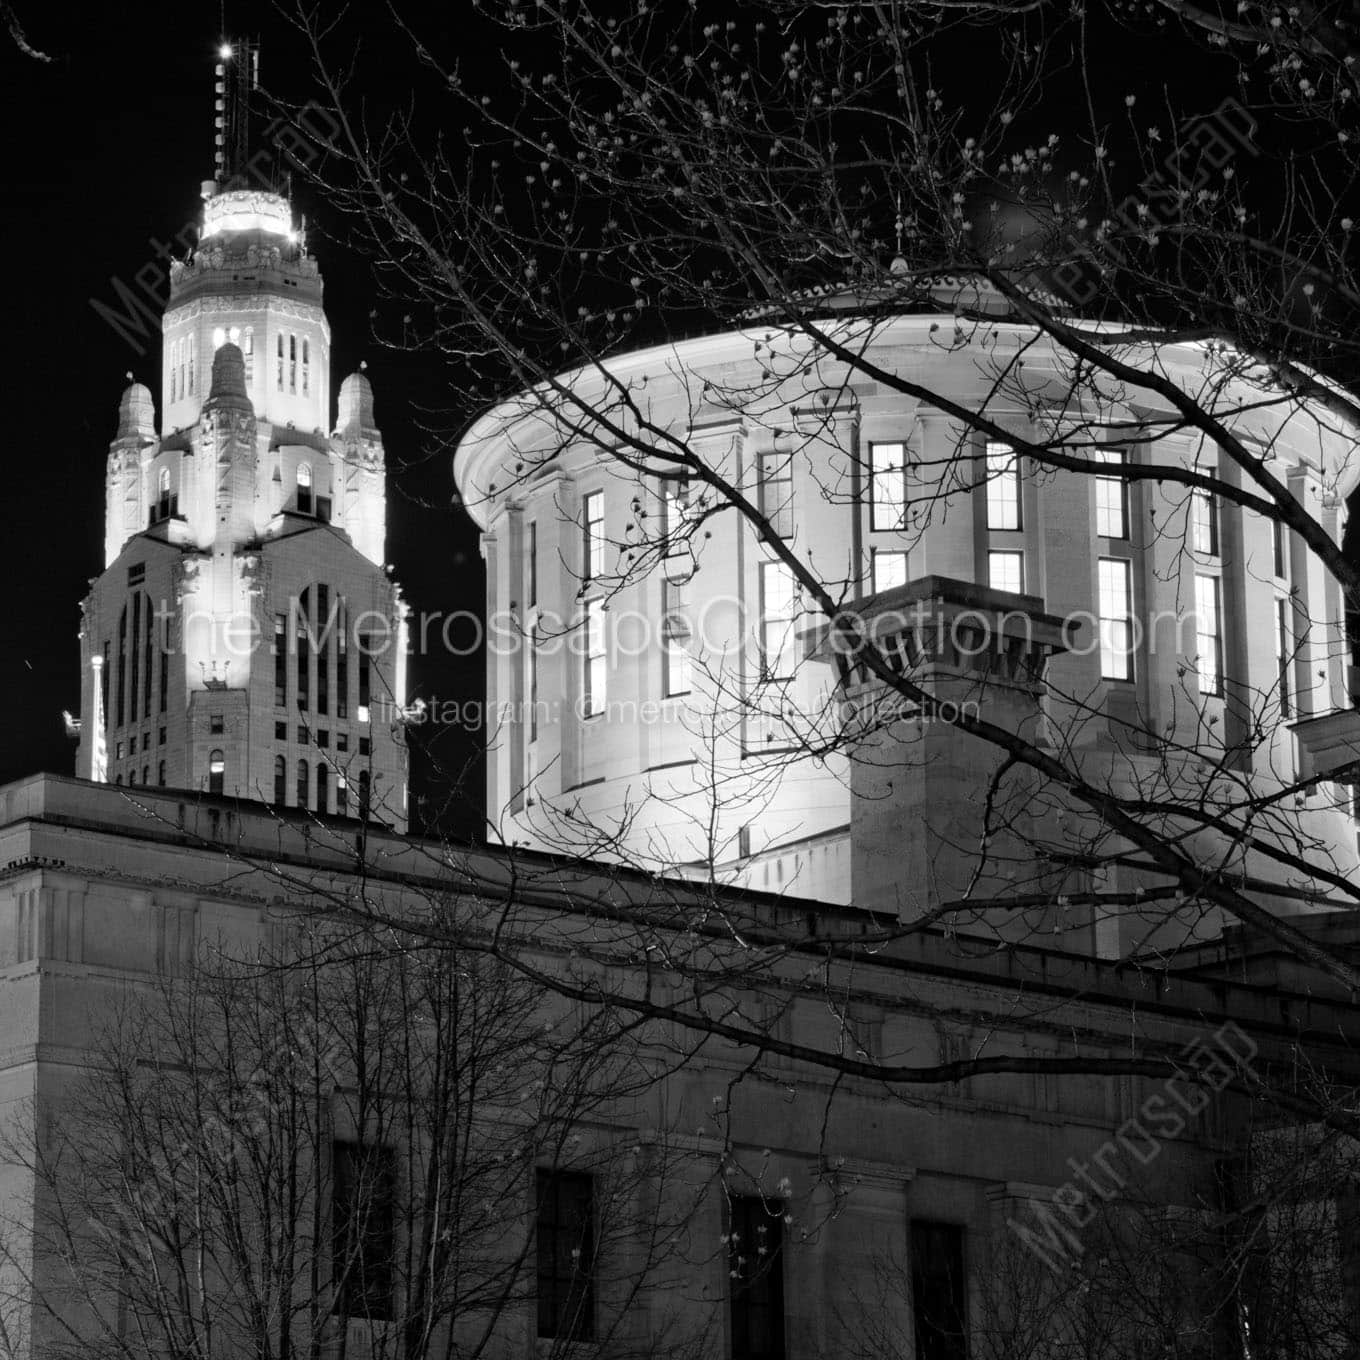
column 244, row 638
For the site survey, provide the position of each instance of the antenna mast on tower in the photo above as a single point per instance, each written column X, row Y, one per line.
column 237, row 77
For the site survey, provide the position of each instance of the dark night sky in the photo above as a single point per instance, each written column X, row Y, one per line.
column 104, row 149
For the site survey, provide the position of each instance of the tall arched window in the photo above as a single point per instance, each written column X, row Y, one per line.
column 279, row 373
column 166, row 503
column 183, row 347
column 306, row 364
column 280, row 780
column 189, row 345
column 248, row 351
column 174, row 386
column 302, row 784
column 217, row 771
column 365, row 791
column 160, row 774
column 292, row 363
column 304, row 488
column 323, row 779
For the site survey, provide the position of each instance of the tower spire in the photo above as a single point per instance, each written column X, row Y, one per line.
column 236, row 78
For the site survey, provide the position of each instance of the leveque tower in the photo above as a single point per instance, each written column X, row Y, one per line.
column 244, row 637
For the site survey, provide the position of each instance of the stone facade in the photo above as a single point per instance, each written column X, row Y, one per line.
column 107, row 889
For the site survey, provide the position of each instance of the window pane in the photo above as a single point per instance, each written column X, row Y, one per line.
column 593, row 688
column 674, row 506
column 1208, row 635
column 1115, row 612
column 1112, row 512
column 565, row 1233
column 756, row 1272
column 1006, row 571
column 887, row 570
column 778, row 610
column 775, row 471
column 1204, row 516
column 1284, row 654
column 939, row 1291
column 675, row 636
column 887, row 486
column 363, row 1229
column 592, row 528
column 1003, row 487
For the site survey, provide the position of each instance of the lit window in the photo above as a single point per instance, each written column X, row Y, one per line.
column 592, row 536
column 1208, row 635
column 219, row 338
column 778, row 611
column 755, row 1271
column 565, row 1232
column 304, row 488
column 675, row 636
column 217, row 772
column 167, row 504
column 1115, row 586
column 887, row 570
column 531, row 591
column 887, row 486
column 674, row 508
column 1204, row 518
column 775, row 472
column 1003, row 487
column 1112, row 497
column 1006, row 571
column 595, row 661
column 939, row 1291
column 532, row 644
column 1284, row 654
